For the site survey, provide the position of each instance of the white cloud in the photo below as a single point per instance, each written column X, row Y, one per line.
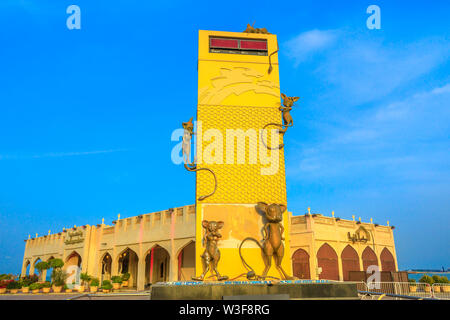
column 364, row 71
column 307, row 43
column 361, row 68
column 433, row 105
column 444, row 89
column 405, row 140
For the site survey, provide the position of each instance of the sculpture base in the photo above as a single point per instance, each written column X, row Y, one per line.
column 248, row 289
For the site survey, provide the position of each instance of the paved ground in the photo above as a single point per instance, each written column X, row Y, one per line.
column 66, row 296
column 118, row 296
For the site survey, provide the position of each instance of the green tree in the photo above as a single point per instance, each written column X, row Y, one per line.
column 426, row 279
column 56, row 263
column 59, row 277
column 85, row 278
column 41, row 266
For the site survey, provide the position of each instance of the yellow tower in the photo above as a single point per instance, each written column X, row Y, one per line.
column 238, row 94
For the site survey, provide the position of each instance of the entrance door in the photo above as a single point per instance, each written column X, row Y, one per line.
column 300, row 264
column 328, row 260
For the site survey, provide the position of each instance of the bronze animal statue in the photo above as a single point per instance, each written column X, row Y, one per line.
column 272, row 241
column 187, row 137
column 288, row 103
column 211, row 255
column 186, row 148
column 251, row 29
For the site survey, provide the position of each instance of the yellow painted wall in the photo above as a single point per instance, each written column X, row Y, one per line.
column 235, row 91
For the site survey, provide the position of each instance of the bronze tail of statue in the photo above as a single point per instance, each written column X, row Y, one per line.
column 272, row 246
column 270, row 61
column 251, row 274
column 186, row 148
column 193, row 168
column 282, row 131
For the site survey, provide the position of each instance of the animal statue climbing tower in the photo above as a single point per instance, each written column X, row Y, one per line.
column 238, row 95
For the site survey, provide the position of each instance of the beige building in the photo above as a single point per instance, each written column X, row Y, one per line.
column 331, row 248
column 160, row 246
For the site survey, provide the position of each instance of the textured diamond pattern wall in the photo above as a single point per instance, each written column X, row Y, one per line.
column 241, row 183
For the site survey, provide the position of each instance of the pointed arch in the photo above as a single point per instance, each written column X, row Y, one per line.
column 327, row 259
column 104, row 254
column 387, row 260
column 26, row 267
column 36, row 260
column 369, row 258
column 186, row 261
column 300, row 264
column 33, row 269
column 105, row 266
column 157, row 265
column 74, row 258
column 127, row 249
column 350, row 261
column 72, row 265
column 128, row 262
column 48, row 273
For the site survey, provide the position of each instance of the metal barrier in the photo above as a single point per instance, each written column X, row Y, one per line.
column 399, row 290
column 441, row 290
column 380, row 296
column 361, row 286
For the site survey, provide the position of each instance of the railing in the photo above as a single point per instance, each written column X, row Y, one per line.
column 441, row 290
column 397, row 290
column 380, row 296
column 361, row 286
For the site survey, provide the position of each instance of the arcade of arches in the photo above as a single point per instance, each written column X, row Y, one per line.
column 334, row 268
column 160, row 247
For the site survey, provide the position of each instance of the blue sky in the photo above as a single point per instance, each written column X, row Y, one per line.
column 86, row 115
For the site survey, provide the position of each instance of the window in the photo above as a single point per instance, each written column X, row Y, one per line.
column 238, row 46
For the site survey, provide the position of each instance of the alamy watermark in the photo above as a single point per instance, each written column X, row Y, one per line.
column 374, row 279
column 73, row 278
column 374, row 20
column 74, row 20
column 234, row 146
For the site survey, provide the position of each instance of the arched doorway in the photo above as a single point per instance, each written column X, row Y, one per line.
column 74, row 259
column 350, row 261
column 328, row 260
column 72, row 266
column 48, row 272
column 36, row 271
column 106, row 264
column 186, row 262
column 36, row 261
column 387, row 260
column 369, row 258
column 27, row 267
column 300, row 264
column 157, row 263
column 128, row 263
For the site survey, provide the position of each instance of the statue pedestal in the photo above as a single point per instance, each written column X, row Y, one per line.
column 250, row 289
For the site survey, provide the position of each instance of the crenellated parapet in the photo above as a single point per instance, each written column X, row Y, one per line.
column 87, row 245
